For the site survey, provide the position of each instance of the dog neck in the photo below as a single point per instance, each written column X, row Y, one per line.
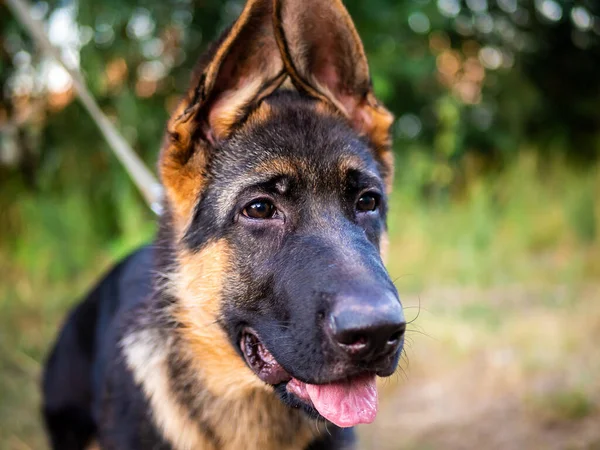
column 200, row 391
column 192, row 416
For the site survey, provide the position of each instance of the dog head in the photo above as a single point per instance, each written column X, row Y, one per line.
column 276, row 167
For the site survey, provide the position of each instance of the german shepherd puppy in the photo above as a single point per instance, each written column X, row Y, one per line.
column 264, row 306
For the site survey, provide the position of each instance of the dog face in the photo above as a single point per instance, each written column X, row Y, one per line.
column 277, row 167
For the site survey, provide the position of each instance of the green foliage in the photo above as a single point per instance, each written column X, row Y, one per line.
column 582, row 215
column 516, row 224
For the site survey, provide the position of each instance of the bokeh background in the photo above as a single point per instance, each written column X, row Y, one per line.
column 495, row 223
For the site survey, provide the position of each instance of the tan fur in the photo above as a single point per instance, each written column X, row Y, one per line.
column 350, row 162
column 198, row 287
column 326, row 108
column 261, row 114
column 182, row 179
column 262, row 421
column 146, row 356
column 375, row 121
column 281, row 166
column 226, row 113
column 234, row 105
column 260, row 417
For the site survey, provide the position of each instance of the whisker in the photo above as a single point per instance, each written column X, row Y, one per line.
column 418, row 331
column 418, row 311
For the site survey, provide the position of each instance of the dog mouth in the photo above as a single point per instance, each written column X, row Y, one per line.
column 345, row 403
column 261, row 361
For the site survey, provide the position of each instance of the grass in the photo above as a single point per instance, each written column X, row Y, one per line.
column 561, row 405
column 504, row 277
column 522, row 225
column 55, row 260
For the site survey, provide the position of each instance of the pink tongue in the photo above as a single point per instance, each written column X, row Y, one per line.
column 346, row 403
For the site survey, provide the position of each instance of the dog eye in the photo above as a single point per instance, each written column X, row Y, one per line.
column 369, row 201
column 259, row 209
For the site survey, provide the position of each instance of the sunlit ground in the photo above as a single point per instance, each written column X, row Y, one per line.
column 503, row 285
column 512, row 368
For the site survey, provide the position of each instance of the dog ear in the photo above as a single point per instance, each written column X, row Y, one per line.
column 325, row 58
column 240, row 69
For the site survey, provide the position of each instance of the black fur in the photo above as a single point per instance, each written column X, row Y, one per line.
column 75, row 372
column 87, row 385
column 285, row 278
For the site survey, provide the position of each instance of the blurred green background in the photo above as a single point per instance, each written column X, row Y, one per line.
column 494, row 225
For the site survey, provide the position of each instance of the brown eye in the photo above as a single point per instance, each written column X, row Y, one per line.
column 367, row 202
column 260, row 209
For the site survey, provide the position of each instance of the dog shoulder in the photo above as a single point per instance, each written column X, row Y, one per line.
column 137, row 407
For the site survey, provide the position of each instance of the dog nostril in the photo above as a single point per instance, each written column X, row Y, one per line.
column 366, row 325
column 353, row 341
column 359, row 341
column 395, row 338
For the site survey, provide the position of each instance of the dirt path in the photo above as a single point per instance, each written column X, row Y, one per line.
column 504, row 389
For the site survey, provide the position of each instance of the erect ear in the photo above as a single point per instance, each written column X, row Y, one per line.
column 325, row 59
column 240, row 69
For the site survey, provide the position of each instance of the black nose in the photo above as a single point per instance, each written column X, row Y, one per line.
column 367, row 323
